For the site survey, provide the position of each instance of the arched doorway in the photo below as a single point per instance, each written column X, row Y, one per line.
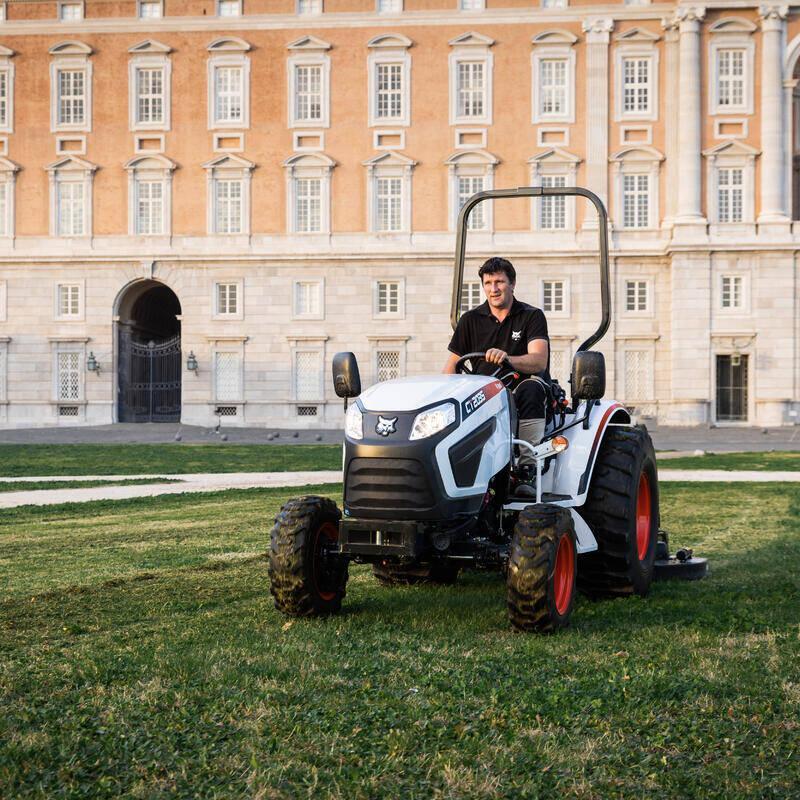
column 149, row 354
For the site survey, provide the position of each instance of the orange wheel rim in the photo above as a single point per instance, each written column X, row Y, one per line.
column 326, row 534
column 564, row 574
column 643, row 517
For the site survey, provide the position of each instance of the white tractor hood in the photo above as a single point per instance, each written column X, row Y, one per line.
column 409, row 394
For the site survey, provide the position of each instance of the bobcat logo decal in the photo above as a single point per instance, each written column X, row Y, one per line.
column 385, row 426
column 515, row 335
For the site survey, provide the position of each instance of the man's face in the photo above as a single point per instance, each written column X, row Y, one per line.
column 498, row 289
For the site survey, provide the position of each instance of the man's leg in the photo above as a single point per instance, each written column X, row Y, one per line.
column 531, row 398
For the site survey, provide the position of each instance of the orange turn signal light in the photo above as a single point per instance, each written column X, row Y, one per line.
column 560, row 443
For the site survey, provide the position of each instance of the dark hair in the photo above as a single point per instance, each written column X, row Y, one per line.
column 496, row 264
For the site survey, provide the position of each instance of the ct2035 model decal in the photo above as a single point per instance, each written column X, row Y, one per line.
column 472, row 404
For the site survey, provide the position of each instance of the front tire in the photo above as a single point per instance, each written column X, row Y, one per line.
column 542, row 569
column 622, row 510
column 306, row 577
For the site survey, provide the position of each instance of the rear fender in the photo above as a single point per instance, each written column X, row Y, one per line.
column 572, row 469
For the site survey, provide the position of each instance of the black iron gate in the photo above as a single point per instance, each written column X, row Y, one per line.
column 732, row 388
column 149, row 379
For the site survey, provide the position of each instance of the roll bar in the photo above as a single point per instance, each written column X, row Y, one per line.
column 535, row 191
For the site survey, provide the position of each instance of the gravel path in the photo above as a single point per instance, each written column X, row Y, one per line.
column 214, row 482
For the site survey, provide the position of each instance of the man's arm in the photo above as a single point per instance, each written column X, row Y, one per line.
column 534, row 361
column 450, row 366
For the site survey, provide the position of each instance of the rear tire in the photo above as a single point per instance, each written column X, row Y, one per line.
column 623, row 512
column 306, row 578
column 541, row 570
column 443, row 573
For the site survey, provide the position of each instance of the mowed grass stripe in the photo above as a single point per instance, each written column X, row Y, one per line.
column 142, row 459
column 181, row 680
column 32, row 486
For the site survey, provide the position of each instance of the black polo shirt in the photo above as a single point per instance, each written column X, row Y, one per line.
column 479, row 330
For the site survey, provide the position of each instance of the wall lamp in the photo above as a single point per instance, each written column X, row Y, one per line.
column 191, row 362
column 92, row 364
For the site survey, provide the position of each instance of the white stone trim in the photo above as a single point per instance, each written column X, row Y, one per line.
column 68, row 345
column 146, row 137
column 460, row 133
column 388, row 344
column 81, row 315
column 223, row 56
column 8, row 176
column 566, row 312
column 746, row 307
column 71, row 56
column 309, row 51
column 546, row 46
column 154, row 57
column 475, row 164
column 216, row 313
column 640, row 49
column 641, row 160
column 139, row 9
column 307, row 344
column 228, row 167
column 401, row 297
column 719, row 122
column 319, row 281
column 319, row 135
column 649, row 311
column 377, row 136
column 77, row 137
column 624, row 130
column 150, row 167
column 554, row 161
column 729, row 34
column 389, row 165
column 218, row 136
column 734, row 154
column 223, row 345
column 3, row 303
column 311, row 165
column 7, row 66
column 471, row 47
column 62, row 3
column 71, row 168
column 383, row 54
column 544, row 130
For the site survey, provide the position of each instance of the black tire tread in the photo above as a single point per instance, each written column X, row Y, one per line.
column 290, row 585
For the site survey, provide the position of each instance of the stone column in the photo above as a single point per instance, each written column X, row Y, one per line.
column 689, row 119
column 671, row 124
column 598, row 34
column 774, row 207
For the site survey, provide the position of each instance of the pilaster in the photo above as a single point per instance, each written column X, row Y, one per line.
column 671, row 124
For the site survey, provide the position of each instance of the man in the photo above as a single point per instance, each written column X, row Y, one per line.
column 508, row 330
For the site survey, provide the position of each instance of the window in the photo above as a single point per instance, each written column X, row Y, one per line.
column 308, row 376
column 390, row 6
column 637, row 296
column 227, row 206
column 71, row 96
column 7, row 184
column 636, row 93
column 71, row 208
column 730, row 201
column 228, row 83
column 227, row 299
column 228, row 95
column 387, row 298
column 389, row 74
column 309, row 6
column 307, row 92
column 638, row 375
column 389, row 100
column 553, row 210
column 389, row 201
column 4, row 208
column 552, row 87
column 471, row 89
column 69, row 376
column 467, row 186
column 471, row 79
column 554, row 3
column 227, row 377
column 70, row 12
column 308, row 205
column 6, row 96
column 229, row 8
column 388, row 365
column 69, row 301
column 470, row 295
column 559, row 365
column 389, row 193
column 149, row 207
column 150, row 9
column 149, row 195
column 731, row 79
column 732, row 292
column 471, row 5
column 308, row 299
column 553, row 296
column 635, row 201
column 149, row 95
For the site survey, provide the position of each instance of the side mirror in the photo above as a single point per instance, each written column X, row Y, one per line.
column 588, row 379
column 346, row 380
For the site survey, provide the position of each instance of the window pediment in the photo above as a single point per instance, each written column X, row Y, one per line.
column 229, row 161
column 734, row 148
column 308, row 43
column 6, row 165
column 229, row 44
column 733, row 25
column 150, row 46
column 471, row 39
column 150, row 162
column 556, row 36
column 70, row 48
column 638, row 35
column 555, row 155
column 641, row 153
column 316, row 160
column 71, row 164
column 390, row 40
column 392, row 159
column 6, row 52
column 472, row 158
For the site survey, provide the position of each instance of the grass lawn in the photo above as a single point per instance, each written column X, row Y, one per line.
column 137, row 459
column 140, row 656
column 28, row 486
column 768, row 461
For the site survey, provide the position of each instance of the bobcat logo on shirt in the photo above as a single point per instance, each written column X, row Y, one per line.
column 515, row 335
column 385, row 426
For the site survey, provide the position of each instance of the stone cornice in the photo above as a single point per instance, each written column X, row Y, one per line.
column 776, row 12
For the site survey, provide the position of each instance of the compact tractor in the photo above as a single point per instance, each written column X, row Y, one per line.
column 431, row 476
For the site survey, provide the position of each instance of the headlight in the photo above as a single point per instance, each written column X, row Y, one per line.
column 354, row 423
column 432, row 421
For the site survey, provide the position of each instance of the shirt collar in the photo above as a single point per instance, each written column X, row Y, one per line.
column 516, row 308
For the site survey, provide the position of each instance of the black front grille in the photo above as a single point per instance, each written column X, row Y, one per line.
column 387, row 483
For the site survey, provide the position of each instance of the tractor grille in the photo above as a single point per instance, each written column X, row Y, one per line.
column 387, row 483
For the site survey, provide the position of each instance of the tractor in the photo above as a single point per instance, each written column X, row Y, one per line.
column 431, row 474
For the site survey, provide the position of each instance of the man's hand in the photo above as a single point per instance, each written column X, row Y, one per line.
column 496, row 356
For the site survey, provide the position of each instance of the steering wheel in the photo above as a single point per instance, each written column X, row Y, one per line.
column 462, row 368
